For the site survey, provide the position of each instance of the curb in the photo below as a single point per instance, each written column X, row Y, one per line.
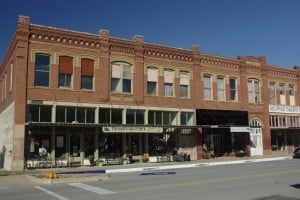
column 181, row 166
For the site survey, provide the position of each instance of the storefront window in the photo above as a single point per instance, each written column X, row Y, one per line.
column 39, row 113
column 134, row 116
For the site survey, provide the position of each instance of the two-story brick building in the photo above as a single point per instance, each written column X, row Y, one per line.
column 79, row 94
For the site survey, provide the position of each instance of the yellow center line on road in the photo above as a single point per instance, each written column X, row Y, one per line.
column 198, row 182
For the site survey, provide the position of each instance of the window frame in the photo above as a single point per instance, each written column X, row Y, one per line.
column 253, row 87
column 42, row 70
column 184, row 86
column 233, row 91
column 122, row 85
column 221, row 91
column 169, row 84
column 207, row 89
column 272, row 92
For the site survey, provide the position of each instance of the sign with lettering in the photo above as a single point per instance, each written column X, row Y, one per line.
column 234, row 129
column 284, row 109
column 132, row 129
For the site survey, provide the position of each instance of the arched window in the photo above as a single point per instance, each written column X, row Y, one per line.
column 255, row 123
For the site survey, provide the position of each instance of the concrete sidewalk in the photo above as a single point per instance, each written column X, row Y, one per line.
column 87, row 173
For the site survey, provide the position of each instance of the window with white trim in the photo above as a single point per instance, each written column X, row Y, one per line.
column 233, row 89
column 152, row 80
column 65, row 71
column 291, row 90
column 281, row 89
column 169, row 83
column 221, row 88
column 184, row 84
column 207, row 87
column 253, row 91
column 272, row 92
column 42, row 70
column 121, row 77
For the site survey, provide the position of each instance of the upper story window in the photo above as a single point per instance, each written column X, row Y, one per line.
column 207, row 87
column 184, row 84
column 42, row 70
column 152, row 80
column 65, row 71
column 11, row 77
column 281, row 89
column 233, row 89
column 291, row 90
column 169, row 83
column 134, row 116
column 253, row 91
column 121, row 77
column 221, row 88
column 87, row 73
column 272, row 92
column 292, row 100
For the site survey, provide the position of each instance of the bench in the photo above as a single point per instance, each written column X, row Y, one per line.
column 113, row 158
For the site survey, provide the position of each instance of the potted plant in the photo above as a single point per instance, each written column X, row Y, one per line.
column 91, row 159
column 100, row 161
column 145, row 158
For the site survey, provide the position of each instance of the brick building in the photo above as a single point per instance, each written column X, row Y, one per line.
column 79, row 95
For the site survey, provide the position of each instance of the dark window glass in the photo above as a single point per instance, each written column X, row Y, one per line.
column 70, row 114
column 87, row 82
column 126, row 85
column 65, row 80
column 130, row 116
column 104, row 116
column 60, row 114
column 115, row 84
column 33, row 113
column 151, row 88
column 159, row 118
column 45, row 113
column 42, row 65
column 90, row 115
column 151, row 117
column 80, row 117
column 139, row 116
column 116, row 116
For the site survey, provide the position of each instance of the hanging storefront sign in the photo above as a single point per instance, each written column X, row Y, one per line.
column 243, row 129
column 132, row 129
column 284, row 109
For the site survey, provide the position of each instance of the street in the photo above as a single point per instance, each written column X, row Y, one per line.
column 251, row 181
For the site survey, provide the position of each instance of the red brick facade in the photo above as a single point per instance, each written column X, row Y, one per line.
column 104, row 50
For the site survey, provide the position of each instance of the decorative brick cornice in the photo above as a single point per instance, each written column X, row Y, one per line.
column 63, row 36
column 157, row 51
column 219, row 61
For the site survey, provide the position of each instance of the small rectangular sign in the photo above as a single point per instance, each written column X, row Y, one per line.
column 235, row 129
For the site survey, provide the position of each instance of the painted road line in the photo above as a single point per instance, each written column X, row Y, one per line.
column 91, row 188
column 157, row 173
column 51, row 193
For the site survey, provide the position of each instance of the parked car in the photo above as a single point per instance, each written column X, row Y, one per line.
column 296, row 153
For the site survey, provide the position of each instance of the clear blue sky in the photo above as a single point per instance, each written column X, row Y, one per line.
column 227, row 28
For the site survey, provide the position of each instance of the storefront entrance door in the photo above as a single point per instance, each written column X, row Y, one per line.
column 256, row 142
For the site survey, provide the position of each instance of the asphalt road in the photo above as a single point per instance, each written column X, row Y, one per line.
column 279, row 180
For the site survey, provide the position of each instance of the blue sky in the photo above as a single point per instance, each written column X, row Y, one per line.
column 227, row 28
